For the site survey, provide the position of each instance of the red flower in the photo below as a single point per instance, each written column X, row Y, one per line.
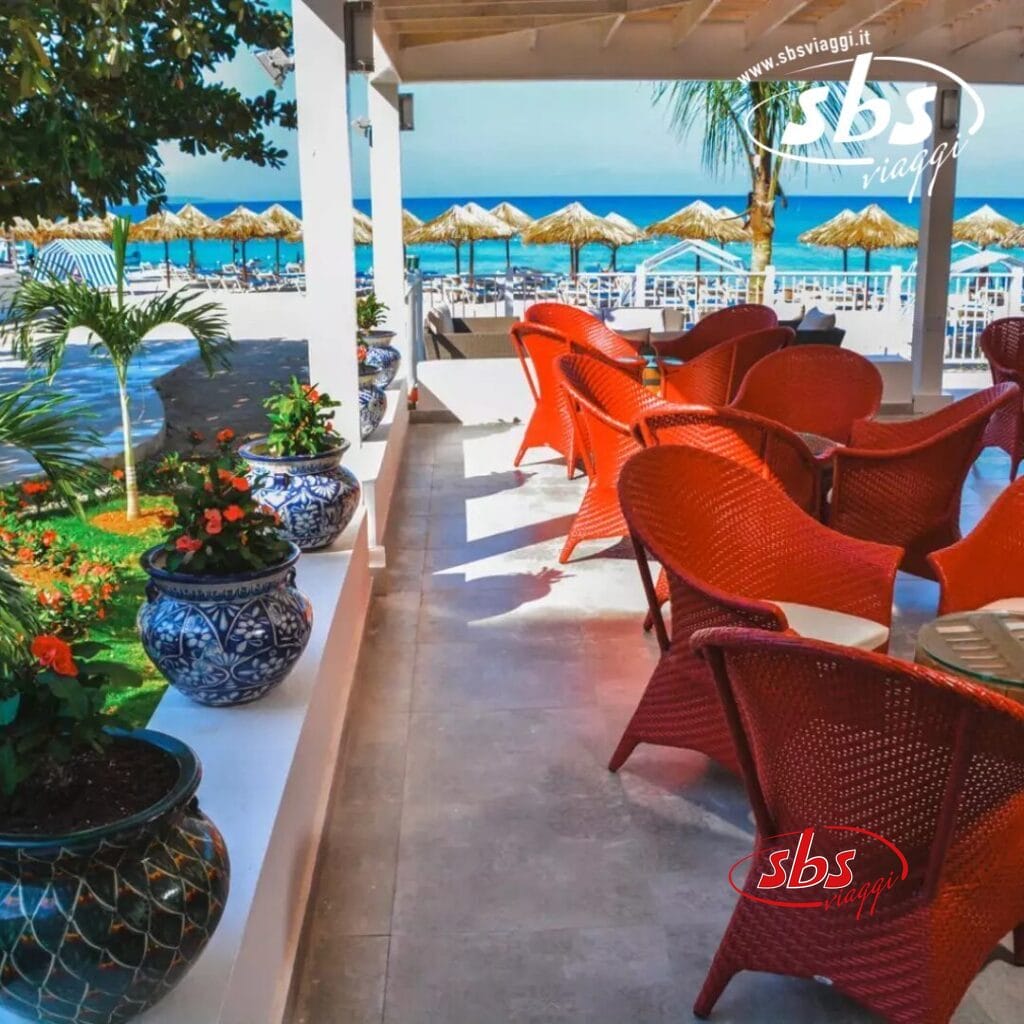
column 25, row 554
column 101, row 613
column 49, row 598
column 187, row 544
column 225, row 476
column 34, row 487
column 118, row 474
column 48, row 537
column 311, row 393
column 225, row 436
column 107, row 591
column 362, row 352
column 82, row 593
column 233, row 513
column 240, row 484
column 52, row 652
column 212, row 521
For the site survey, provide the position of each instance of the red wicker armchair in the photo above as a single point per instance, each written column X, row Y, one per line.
column 587, row 332
column 987, row 566
column 828, row 736
column 818, row 389
column 1002, row 341
column 736, row 551
column 551, row 423
column 717, row 327
column 901, row 482
column 604, row 402
column 714, row 377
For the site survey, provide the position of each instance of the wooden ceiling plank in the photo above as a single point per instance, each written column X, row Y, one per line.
column 770, row 17
column 926, row 18
column 852, row 16
column 1005, row 17
column 609, row 28
column 687, row 20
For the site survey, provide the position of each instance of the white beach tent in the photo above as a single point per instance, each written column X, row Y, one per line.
column 78, row 259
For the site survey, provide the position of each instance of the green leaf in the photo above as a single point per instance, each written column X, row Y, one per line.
column 114, row 673
column 9, row 709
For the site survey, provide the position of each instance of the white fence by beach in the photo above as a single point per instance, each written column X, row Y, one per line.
column 878, row 303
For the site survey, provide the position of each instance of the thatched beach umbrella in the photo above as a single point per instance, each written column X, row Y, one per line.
column 283, row 224
column 516, row 219
column 1014, row 239
column 832, row 234
column 362, row 228
column 575, row 226
column 617, row 220
column 458, row 224
column 198, row 225
column 99, row 229
column 872, row 228
column 983, row 227
column 162, row 226
column 410, row 223
column 732, row 226
column 700, row 221
column 491, row 227
column 241, row 225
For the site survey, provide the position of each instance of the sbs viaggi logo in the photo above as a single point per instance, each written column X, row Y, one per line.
column 905, row 125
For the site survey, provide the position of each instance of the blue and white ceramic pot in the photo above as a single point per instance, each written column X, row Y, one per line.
column 315, row 495
column 382, row 356
column 373, row 401
column 99, row 925
column 224, row 640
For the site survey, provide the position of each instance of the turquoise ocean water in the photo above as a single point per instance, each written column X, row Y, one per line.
column 802, row 213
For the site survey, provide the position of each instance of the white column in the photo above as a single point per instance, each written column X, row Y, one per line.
column 928, row 342
column 325, row 179
column 386, row 197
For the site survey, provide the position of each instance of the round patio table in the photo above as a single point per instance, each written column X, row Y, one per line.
column 985, row 647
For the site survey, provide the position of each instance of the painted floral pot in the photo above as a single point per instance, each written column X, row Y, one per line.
column 383, row 357
column 373, row 402
column 314, row 495
column 99, row 925
column 224, row 640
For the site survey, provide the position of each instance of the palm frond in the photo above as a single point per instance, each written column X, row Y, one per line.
column 205, row 321
column 17, row 617
column 50, row 429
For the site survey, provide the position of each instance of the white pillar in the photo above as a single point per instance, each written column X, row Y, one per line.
column 386, row 198
column 325, row 180
column 1016, row 297
column 928, row 342
column 769, row 297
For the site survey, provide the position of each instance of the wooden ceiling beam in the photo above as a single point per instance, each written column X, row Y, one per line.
column 770, row 16
column 485, row 23
column 852, row 16
column 685, row 23
column 1004, row 17
column 935, row 14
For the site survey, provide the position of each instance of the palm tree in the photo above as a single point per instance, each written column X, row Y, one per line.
column 723, row 109
column 46, row 429
column 45, row 313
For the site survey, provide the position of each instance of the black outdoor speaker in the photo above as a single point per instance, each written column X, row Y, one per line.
column 406, row 116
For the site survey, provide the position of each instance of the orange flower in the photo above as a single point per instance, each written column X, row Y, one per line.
column 212, row 521
column 52, row 652
column 25, row 554
column 82, row 593
column 118, row 474
column 49, row 598
column 233, row 513
column 311, row 393
column 240, row 484
column 225, row 476
column 107, row 591
column 187, row 544
column 101, row 613
column 48, row 537
column 226, row 435
column 34, row 487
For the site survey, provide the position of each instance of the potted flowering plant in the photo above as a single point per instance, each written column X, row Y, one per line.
column 223, row 620
column 378, row 352
column 297, row 468
column 114, row 879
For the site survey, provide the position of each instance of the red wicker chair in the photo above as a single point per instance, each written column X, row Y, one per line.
column 1002, row 341
column 818, row 389
column 717, row 327
column 733, row 546
column 827, row 736
column 604, row 402
column 586, row 331
column 551, row 423
column 901, row 482
column 714, row 377
column 987, row 566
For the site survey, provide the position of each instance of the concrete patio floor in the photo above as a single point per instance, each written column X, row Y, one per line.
column 481, row 865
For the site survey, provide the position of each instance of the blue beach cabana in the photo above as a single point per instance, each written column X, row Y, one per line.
column 79, row 259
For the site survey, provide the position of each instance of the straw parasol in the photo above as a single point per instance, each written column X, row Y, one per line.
column 410, row 223
column 983, row 227
column 283, row 224
column 629, row 227
column 162, row 226
column 362, row 228
column 198, row 225
column 732, row 226
column 516, row 219
column 1014, row 239
column 458, row 224
column 241, row 225
column 832, row 234
column 575, row 226
column 872, row 228
column 99, row 229
column 490, row 227
column 701, row 221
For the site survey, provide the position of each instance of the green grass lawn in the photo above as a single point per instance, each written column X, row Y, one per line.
column 118, row 629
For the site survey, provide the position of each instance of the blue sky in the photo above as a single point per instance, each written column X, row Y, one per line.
column 562, row 138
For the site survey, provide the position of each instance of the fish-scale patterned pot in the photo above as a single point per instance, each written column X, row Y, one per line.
column 382, row 356
column 224, row 640
column 373, row 402
column 315, row 495
column 98, row 925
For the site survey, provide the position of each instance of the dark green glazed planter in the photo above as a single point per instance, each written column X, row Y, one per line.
column 97, row 926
